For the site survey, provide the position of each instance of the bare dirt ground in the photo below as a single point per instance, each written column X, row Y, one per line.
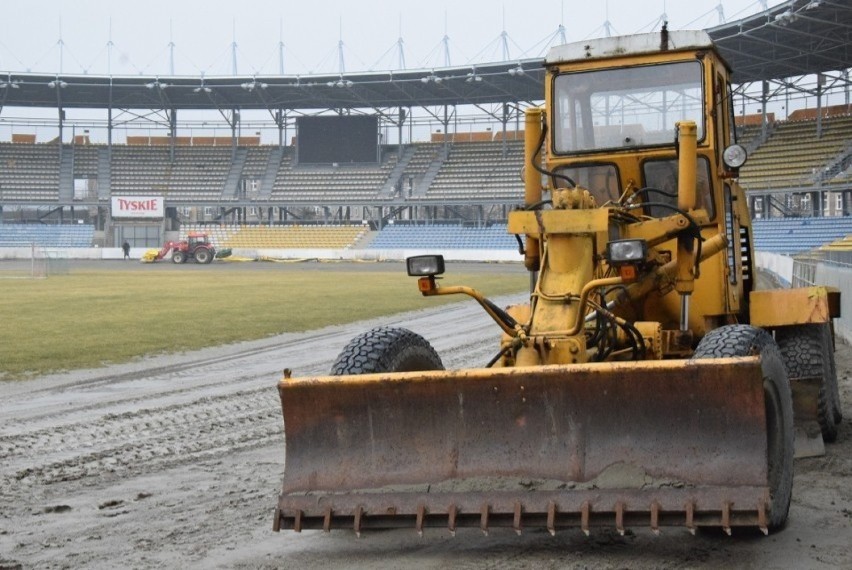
column 175, row 461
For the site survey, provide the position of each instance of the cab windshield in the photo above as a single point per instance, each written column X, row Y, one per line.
column 613, row 109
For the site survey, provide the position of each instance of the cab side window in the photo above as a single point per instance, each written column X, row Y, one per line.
column 663, row 175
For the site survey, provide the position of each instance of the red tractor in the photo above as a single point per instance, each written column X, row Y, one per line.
column 197, row 247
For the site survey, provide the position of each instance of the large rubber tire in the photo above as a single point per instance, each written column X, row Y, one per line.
column 386, row 349
column 808, row 351
column 203, row 255
column 838, row 410
column 178, row 257
column 745, row 340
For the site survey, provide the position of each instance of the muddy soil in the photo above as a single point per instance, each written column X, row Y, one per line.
column 176, row 461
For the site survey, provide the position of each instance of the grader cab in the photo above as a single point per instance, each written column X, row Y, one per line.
column 646, row 382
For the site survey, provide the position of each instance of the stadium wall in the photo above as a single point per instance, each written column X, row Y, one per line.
column 781, row 266
column 390, row 254
column 19, row 253
column 112, row 253
column 840, row 277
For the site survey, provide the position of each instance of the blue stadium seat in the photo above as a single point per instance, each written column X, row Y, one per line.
column 795, row 235
column 23, row 235
column 444, row 236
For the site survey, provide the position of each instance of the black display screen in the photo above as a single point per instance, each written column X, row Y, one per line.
column 336, row 139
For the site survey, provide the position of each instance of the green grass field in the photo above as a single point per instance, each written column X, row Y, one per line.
column 90, row 318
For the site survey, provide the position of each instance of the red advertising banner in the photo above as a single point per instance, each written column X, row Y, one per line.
column 137, row 207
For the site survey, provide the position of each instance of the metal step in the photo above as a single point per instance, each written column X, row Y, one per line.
column 66, row 174
column 235, row 173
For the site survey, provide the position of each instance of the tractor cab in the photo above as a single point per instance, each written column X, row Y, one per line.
column 197, row 238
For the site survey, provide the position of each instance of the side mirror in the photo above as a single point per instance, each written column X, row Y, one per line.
column 425, row 265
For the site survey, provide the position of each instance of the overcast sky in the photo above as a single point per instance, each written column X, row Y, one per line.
column 203, row 32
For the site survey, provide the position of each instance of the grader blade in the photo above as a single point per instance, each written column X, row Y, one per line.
column 664, row 443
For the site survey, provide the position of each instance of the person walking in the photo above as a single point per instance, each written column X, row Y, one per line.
column 126, row 248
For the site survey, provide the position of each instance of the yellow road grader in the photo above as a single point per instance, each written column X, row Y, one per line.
column 646, row 383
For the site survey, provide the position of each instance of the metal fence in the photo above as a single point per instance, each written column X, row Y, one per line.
column 833, row 271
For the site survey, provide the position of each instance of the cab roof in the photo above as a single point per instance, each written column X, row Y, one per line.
column 636, row 44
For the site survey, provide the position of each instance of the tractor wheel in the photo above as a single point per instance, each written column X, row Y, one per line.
column 178, row 257
column 203, row 255
column 386, row 349
column 745, row 340
column 829, row 343
column 808, row 351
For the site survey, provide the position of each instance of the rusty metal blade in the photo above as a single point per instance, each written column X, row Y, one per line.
column 628, row 434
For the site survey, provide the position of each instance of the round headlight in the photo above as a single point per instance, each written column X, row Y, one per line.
column 734, row 156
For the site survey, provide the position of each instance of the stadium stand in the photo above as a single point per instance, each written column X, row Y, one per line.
column 454, row 177
column 85, row 160
column 843, row 244
column 333, row 183
column 839, row 170
column 795, row 235
column 69, row 235
column 279, row 237
column 794, row 155
column 479, row 170
column 749, row 137
column 838, row 252
column 443, row 236
column 844, row 176
column 787, row 155
column 197, row 173
column 139, row 170
column 340, row 237
column 413, row 178
column 254, row 169
column 29, row 172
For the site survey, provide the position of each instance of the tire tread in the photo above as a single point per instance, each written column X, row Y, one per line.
column 386, row 349
column 806, row 352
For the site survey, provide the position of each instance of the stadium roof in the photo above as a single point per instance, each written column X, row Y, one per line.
column 480, row 84
column 795, row 38
column 799, row 37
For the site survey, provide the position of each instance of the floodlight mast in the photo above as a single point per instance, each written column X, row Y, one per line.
column 280, row 46
column 341, row 65
column 234, row 49
column 171, row 51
